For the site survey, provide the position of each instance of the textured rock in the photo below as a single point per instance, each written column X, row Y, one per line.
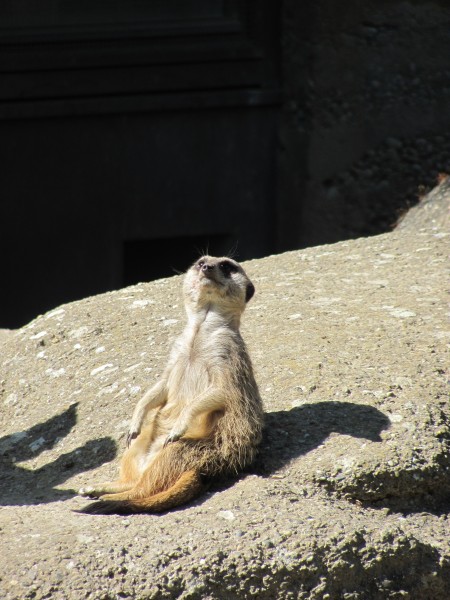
column 350, row 495
column 4, row 334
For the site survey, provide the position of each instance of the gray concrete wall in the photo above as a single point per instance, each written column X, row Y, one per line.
column 365, row 124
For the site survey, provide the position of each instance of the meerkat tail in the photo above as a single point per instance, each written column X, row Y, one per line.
column 186, row 487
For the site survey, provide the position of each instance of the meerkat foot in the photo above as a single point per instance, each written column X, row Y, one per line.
column 106, row 488
column 88, row 491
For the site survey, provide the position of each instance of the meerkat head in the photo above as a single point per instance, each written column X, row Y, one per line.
column 221, row 282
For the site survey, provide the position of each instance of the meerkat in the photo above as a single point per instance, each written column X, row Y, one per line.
column 204, row 416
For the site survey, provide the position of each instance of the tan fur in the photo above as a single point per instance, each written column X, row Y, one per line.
column 204, row 416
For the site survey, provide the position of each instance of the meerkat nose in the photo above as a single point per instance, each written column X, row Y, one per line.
column 206, row 268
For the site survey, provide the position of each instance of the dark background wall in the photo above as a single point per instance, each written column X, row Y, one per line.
column 136, row 134
column 366, row 113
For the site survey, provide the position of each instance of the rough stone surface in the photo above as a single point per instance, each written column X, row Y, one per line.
column 4, row 334
column 350, row 495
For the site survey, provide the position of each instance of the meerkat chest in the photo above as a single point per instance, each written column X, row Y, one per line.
column 187, row 381
column 196, row 365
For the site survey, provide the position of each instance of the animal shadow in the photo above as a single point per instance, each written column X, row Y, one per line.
column 289, row 434
column 292, row 433
column 22, row 485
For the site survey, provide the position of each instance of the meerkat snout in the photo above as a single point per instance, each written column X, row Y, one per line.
column 218, row 281
column 210, row 264
column 205, row 267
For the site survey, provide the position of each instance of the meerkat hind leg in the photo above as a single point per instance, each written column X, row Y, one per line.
column 111, row 487
column 185, row 488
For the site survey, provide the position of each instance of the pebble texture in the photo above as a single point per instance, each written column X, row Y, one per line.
column 350, row 495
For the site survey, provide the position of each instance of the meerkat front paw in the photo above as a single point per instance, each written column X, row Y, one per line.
column 170, row 439
column 174, row 436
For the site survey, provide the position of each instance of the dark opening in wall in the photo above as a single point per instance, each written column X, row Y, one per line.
column 145, row 260
column 132, row 120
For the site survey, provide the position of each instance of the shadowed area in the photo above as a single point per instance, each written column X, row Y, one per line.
column 292, row 433
column 22, row 485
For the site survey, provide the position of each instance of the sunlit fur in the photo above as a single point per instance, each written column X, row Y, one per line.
column 204, row 416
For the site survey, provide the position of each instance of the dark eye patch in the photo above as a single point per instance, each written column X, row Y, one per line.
column 250, row 291
column 227, row 267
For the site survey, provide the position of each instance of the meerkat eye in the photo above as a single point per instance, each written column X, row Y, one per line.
column 227, row 268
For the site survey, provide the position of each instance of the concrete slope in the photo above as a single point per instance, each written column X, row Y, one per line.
column 350, row 495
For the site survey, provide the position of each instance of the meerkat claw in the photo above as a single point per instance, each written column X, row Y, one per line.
column 132, row 435
column 173, row 437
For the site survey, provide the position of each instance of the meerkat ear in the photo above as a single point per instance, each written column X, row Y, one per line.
column 249, row 292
